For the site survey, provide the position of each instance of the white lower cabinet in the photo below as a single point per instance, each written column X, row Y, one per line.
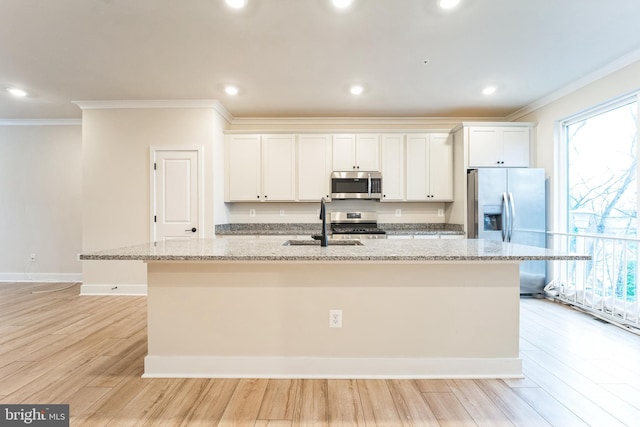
column 434, row 236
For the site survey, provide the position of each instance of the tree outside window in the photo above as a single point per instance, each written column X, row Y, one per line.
column 602, row 172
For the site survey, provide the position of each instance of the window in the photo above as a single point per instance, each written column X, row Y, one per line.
column 600, row 194
column 602, row 170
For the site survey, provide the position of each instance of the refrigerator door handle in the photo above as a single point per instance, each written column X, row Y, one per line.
column 512, row 216
column 505, row 218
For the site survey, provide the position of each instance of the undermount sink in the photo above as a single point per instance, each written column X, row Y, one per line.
column 340, row 242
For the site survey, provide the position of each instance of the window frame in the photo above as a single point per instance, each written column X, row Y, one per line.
column 561, row 162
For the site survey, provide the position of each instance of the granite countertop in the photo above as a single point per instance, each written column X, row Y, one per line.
column 296, row 229
column 371, row 250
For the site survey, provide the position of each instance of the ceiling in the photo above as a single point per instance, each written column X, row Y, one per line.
column 297, row 58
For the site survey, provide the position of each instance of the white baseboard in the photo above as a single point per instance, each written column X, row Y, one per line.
column 313, row 367
column 41, row 277
column 131, row 290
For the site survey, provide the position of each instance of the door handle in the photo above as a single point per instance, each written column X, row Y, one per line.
column 193, row 230
column 505, row 218
column 512, row 218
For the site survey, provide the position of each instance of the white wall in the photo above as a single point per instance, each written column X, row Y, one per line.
column 614, row 85
column 40, row 199
column 116, row 187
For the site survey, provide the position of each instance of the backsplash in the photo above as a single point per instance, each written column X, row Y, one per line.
column 271, row 213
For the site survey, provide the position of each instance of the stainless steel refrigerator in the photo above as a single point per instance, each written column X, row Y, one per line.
column 509, row 205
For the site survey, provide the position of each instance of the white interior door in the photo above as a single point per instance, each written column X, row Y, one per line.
column 176, row 188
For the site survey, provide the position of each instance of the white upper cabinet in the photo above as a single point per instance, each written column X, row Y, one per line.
column 244, row 168
column 499, row 146
column 441, row 167
column 429, row 167
column 314, row 167
column 261, row 168
column 356, row 152
column 278, row 168
column 392, row 168
column 297, row 167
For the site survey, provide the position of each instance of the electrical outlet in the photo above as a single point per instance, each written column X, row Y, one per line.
column 398, row 212
column 252, row 212
column 281, row 212
column 440, row 212
column 335, row 318
column 32, row 257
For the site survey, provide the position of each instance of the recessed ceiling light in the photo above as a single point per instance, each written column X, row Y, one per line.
column 489, row 90
column 231, row 90
column 17, row 92
column 236, row 4
column 356, row 89
column 342, row 4
column 448, row 4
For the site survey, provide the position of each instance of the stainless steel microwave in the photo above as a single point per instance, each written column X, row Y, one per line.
column 356, row 185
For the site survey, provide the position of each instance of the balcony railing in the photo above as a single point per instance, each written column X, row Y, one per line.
column 606, row 285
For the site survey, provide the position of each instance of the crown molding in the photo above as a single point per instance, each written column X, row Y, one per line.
column 40, row 122
column 446, row 122
column 611, row 68
column 146, row 104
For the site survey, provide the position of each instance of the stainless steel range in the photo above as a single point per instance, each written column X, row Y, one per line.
column 355, row 225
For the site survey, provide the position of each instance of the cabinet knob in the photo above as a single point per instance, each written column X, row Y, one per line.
column 258, row 197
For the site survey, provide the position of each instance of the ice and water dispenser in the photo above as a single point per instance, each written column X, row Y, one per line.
column 492, row 218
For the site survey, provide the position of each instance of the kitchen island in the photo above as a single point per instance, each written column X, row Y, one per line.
column 262, row 308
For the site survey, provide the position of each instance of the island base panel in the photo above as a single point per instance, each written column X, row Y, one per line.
column 400, row 320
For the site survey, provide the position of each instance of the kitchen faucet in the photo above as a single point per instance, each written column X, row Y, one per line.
column 324, row 240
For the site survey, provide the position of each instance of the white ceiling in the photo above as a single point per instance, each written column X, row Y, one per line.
column 298, row 57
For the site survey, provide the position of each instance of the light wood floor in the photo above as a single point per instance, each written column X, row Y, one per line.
column 58, row 347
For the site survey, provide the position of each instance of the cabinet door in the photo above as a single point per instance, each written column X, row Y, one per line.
column 314, row 167
column 278, row 168
column 485, row 146
column 441, row 167
column 344, row 152
column 392, row 168
column 243, row 168
column 515, row 146
column 417, row 170
column 368, row 152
